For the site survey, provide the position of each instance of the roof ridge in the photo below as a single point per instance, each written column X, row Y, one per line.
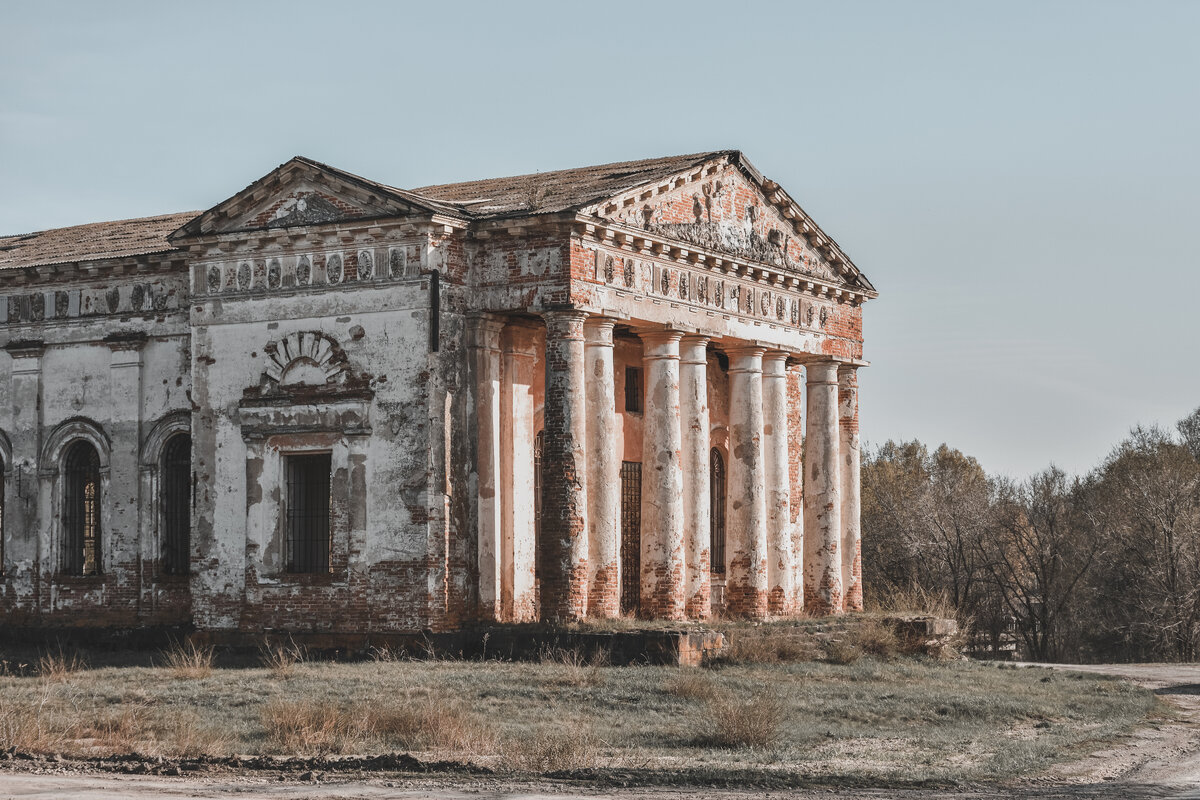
column 692, row 157
column 100, row 222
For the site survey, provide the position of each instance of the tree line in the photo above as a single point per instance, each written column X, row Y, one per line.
column 1099, row 567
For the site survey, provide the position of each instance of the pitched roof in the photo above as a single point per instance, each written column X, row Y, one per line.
column 560, row 190
column 126, row 237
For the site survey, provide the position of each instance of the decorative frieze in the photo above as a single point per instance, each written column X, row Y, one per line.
column 716, row 291
column 315, row 269
column 60, row 304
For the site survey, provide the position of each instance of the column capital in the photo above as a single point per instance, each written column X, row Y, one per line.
column 133, row 340
column 565, row 322
column 484, row 329
column 825, row 371
column 848, row 371
column 745, row 358
column 775, row 363
column 598, row 331
column 27, row 348
column 658, row 334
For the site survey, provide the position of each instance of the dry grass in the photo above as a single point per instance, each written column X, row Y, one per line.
column 26, row 725
column 576, row 667
column 553, row 750
column 282, row 657
column 189, row 662
column 815, row 719
column 755, row 722
column 321, row 727
column 58, row 666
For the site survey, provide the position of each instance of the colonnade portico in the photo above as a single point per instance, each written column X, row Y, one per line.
column 579, row 556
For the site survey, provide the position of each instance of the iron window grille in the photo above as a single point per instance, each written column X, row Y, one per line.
column 716, row 499
column 308, row 530
column 633, row 389
column 81, row 511
column 176, row 504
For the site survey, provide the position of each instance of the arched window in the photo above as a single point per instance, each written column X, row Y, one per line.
column 81, row 510
column 716, row 499
column 176, row 504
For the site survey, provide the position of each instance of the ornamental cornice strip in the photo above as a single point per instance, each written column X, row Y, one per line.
column 646, row 244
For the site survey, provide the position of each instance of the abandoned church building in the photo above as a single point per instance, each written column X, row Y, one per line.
column 328, row 405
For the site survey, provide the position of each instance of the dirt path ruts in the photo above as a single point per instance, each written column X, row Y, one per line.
column 1161, row 761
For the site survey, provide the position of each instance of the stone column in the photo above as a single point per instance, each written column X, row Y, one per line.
column 851, row 544
column 662, row 479
column 778, row 483
column 563, row 561
column 604, row 471
column 745, row 505
column 518, row 556
column 822, row 493
column 483, row 348
column 697, row 502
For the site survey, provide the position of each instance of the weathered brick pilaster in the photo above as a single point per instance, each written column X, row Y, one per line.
column 563, row 560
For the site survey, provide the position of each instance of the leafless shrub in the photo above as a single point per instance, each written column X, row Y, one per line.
column 692, row 685
column 313, row 727
column 553, row 750
column 761, row 645
column 841, row 651
column 430, row 723
column 755, row 722
column 189, row 662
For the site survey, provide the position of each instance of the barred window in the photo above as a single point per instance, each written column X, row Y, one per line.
column 81, row 511
column 308, row 539
column 633, row 389
column 716, row 499
column 176, row 501
column 2, row 515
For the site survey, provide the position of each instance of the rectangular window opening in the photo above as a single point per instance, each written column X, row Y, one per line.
column 308, row 539
column 633, row 389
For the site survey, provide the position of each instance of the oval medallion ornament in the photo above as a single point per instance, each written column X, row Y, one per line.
column 702, row 289
column 666, row 281
column 136, row 295
column 243, row 276
column 303, row 271
column 609, row 268
column 683, row 285
column 366, row 265
column 396, row 263
column 333, row 268
column 214, row 278
column 274, row 273
column 114, row 299
column 764, row 304
column 795, row 312
column 779, row 308
column 62, row 302
column 629, row 273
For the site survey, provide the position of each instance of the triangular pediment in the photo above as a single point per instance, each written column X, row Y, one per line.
column 726, row 206
column 304, row 193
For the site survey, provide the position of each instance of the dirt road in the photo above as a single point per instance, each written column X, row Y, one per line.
column 1161, row 761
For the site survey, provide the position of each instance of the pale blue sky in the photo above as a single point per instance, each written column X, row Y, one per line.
column 1019, row 179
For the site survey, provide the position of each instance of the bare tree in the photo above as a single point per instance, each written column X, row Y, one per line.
column 1037, row 557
